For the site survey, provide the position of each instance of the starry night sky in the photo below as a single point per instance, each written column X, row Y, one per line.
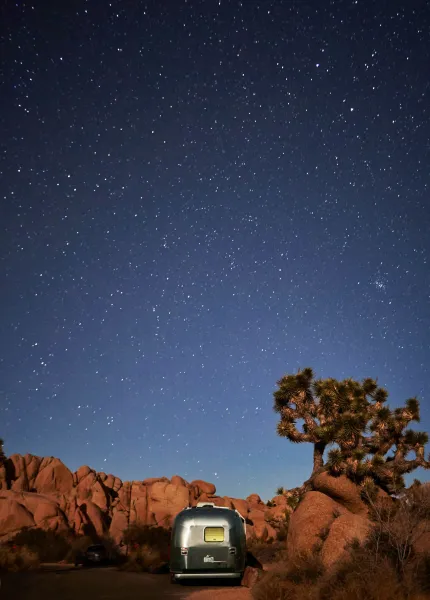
column 198, row 197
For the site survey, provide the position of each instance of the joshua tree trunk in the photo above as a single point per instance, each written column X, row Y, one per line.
column 319, row 448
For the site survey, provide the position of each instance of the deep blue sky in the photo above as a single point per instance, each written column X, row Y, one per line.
column 196, row 198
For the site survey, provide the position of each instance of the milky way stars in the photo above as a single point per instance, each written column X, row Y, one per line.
column 198, row 197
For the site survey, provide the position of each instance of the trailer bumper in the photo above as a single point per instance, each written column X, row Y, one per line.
column 206, row 575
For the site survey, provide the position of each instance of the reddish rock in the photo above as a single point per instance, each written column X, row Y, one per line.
column 20, row 478
column 32, row 466
column 343, row 530
column 203, row 487
column 251, row 576
column 117, row 484
column 167, row 499
column 139, row 504
column 109, row 481
column 151, row 480
column 261, row 528
column 99, row 496
column 118, row 525
column 277, row 512
column 3, row 478
column 87, row 479
column 280, row 500
column 241, row 506
column 86, row 501
column 124, row 496
column 53, row 477
column 228, row 502
column 83, row 472
column 218, row 501
column 13, row 515
column 94, row 516
column 342, row 490
column 254, row 499
column 315, row 513
column 177, row 480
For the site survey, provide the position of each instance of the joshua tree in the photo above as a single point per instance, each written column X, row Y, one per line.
column 353, row 416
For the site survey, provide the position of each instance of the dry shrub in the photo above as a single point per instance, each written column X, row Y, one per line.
column 49, row 546
column 268, row 553
column 392, row 564
column 361, row 577
column 291, row 580
column 277, row 585
column 146, row 535
column 13, row 558
column 143, row 558
column 78, row 545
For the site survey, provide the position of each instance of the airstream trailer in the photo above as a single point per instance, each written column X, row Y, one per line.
column 208, row 541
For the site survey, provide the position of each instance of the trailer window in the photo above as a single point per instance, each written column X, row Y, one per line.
column 214, row 534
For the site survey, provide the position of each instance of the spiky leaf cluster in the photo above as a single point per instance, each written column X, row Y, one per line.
column 354, row 417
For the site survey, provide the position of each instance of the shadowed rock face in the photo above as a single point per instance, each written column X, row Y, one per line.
column 327, row 518
column 43, row 492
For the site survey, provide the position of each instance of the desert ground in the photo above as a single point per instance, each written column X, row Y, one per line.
column 64, row 583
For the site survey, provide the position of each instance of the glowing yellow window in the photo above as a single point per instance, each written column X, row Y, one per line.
column 214, row 534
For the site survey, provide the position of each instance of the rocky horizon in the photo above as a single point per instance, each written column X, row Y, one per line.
column 42, row 492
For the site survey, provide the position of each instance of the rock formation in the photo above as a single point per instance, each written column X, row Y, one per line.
column 43, row 492
column 327, row 518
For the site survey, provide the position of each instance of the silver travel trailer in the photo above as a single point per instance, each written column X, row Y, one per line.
column 208, row 541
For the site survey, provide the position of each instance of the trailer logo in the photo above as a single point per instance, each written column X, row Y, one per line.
column 208, row 558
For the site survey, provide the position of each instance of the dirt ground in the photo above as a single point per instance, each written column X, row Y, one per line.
column 57, row 583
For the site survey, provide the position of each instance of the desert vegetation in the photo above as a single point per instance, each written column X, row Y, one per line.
column 351, row 531
column 355, row 436
column 147, row 548
column 353, row 419
column 388, row 565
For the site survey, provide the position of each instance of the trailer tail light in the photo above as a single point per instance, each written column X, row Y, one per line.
column 184, row 551
column 232, row 550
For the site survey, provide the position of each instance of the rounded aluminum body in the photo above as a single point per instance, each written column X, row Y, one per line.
column 208, row 541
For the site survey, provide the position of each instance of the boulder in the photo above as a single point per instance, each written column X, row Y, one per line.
column 13, row 515
column 139, row 504
column 3, row 478
column 83, row 472
column 53, row 477
column 151, row 480
column 261, row 528
column 251, row 576
column 241, row 506
column 32, row 466
column 94, row 517
column 99, row 496
column 46, row 494
column 254, row 499
column 124, row 496
column 177, row 480
column 167, row 499
column 118, row 525
column 280, row 500
column 343, row 530
column 203, row 487
column 277, row 512
column 314, row 515
column 342, row 490
column 85, row 485
column 19, row 471
column 109, row 482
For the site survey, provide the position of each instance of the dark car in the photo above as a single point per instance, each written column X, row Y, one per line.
column 93, row 555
